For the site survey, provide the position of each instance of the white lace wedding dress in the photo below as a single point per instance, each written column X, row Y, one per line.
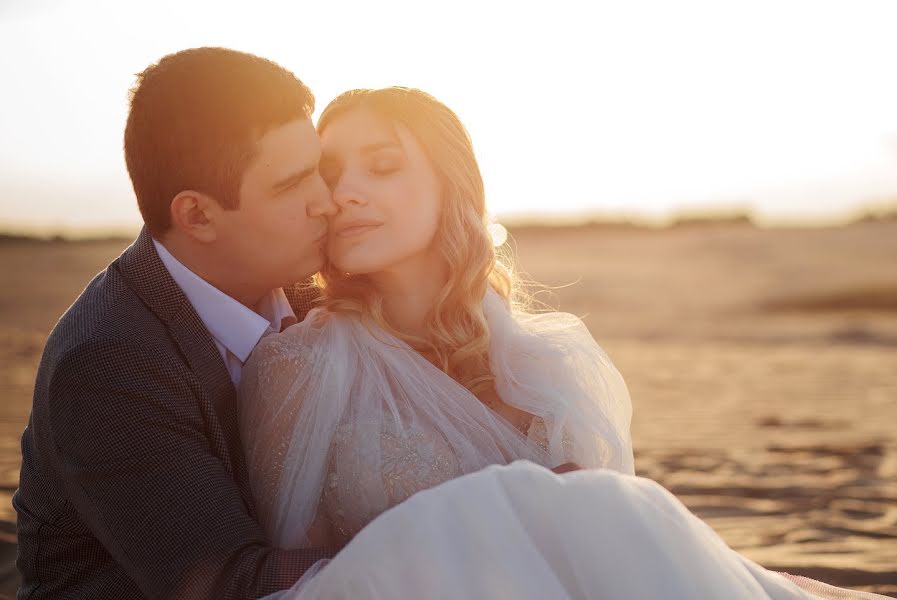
column 349, row 431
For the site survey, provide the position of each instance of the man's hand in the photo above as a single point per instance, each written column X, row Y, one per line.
column 566, row 468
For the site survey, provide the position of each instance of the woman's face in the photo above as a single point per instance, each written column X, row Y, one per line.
column 387, row 193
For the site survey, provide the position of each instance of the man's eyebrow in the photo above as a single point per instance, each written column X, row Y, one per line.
column 293, row 178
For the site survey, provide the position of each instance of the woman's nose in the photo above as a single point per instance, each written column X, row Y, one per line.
column 345, row 194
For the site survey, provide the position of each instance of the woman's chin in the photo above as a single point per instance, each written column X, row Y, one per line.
column 353, row 269
column 356, row 265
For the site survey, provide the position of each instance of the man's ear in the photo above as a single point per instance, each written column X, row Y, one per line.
column 196, row 215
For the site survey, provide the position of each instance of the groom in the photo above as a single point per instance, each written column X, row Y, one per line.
column 133, row 482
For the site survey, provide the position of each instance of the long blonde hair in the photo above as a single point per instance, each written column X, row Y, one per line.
column 457, row 337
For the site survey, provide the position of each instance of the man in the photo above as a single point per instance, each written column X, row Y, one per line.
column 133, row 481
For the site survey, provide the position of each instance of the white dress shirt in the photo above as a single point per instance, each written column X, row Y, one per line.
column 235, row 328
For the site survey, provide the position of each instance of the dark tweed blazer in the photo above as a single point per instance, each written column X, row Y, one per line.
column 133, row 481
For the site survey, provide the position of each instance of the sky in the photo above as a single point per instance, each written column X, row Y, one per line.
column 785, row 108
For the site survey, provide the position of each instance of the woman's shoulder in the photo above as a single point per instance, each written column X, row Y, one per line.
column 308, row 349
column 540, row 322
column 315, row 337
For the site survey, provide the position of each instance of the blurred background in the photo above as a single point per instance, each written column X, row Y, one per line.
column 712, row 186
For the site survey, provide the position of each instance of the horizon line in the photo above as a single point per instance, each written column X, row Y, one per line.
column 684, row 218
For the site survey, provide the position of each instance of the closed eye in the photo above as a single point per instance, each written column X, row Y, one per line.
column 384, row 169
column 291, row 181
column 386, row 162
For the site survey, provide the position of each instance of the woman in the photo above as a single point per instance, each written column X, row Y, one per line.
column 422, row 372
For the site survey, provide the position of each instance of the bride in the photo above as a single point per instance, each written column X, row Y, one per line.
column 417, row 415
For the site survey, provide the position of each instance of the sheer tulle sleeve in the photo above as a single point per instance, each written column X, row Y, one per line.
column 551, row 366
column 290, row 404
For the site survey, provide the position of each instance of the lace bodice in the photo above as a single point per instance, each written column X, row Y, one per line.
column 410, row 461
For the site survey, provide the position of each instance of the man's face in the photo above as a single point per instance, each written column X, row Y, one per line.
column 277, row 235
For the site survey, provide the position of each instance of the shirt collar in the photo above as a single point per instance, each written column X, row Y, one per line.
column 237, row 327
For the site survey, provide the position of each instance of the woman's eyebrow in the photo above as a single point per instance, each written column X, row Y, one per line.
column 371, row 148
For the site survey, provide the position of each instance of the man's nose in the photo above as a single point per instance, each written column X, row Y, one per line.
column 345, row 195
column 323, row 205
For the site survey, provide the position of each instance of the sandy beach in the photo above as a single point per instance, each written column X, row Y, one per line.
column 762, row 364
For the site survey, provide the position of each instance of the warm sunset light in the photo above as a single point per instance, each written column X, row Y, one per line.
column 646, row 109
column 638, row 341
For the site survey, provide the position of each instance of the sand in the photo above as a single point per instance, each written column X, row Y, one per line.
column 762, row 366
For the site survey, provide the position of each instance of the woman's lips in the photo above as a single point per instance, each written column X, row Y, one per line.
column 355, row 230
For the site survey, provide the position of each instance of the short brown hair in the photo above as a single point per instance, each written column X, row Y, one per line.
column 194, row 119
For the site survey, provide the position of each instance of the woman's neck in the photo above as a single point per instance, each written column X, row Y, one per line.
column 410, row 291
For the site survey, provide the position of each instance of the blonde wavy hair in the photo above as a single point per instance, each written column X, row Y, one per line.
column 457, row 337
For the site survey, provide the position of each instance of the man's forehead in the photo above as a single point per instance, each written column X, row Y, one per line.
column 287, row 149
column 298, row 135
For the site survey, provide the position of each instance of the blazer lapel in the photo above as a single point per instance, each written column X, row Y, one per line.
column 141, row 266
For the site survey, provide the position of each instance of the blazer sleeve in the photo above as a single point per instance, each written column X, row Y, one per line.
column 127, row 438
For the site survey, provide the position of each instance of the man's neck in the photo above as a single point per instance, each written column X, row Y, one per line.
column 206, row 265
